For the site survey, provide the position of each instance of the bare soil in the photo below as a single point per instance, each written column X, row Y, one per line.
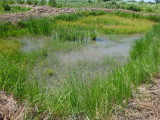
column 36, row 11
column 41, row 11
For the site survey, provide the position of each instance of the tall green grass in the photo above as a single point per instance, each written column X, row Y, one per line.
column 13, row 72
column 43, row 26
column 78, row 15
column 76, row 96
column 71, row 33
column 96, row 98
column 11, row 30
column 155, row 18
column 84, row 23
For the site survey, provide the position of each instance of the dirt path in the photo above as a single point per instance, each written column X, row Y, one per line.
column 38, row 11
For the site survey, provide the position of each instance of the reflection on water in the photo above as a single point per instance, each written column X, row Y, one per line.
column 32, row 44
column 97, row 50
column 97, row 57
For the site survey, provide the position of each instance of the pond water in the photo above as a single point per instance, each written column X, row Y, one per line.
column 30, row 44
column 99, row 49
column 97, row 57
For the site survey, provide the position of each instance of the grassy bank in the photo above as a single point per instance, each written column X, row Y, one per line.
column 82, row 25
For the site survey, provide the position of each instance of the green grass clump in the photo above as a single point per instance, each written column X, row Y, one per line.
column 43, row 26
column 78, row 15
column 9, row 29
column 52, row 3
column 70, row 33
column 154, row 18
column 5, row 7
column 112, row 24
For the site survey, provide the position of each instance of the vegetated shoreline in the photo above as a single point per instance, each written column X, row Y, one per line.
column 43, row 11
column 67, row 22
column 85, row 101
column 130, row 74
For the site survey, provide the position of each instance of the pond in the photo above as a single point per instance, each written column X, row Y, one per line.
column 94, row 58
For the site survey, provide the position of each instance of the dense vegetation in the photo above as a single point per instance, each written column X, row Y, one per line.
column 138, row 7
column 76, row 93
column 80, row 24
column 75, row 96
column 5, row 7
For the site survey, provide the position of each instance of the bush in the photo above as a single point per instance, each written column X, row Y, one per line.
column 29, row 2
column 148, row 9
column 43, row 2
column 6, row 7
column 21, row 1
column 40, row 26
column 133, row 7
column 5, row 28
column 1, row 6
column 52, row 3
column 11, row 1
column 35, row 2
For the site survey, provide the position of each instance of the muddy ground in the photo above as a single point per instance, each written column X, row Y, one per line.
column 41, row 11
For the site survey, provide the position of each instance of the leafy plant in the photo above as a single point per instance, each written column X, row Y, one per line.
column 6, row 7
column 52, row 3
column 21, row 1
column 29, row 2
column 42, row 2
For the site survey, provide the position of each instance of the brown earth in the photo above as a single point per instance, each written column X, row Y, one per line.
column 145, row 104
column 36, row 11
column 41, row 11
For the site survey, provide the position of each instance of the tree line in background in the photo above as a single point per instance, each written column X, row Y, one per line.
column 30, row 2
column 5, row 4
column 53, row 2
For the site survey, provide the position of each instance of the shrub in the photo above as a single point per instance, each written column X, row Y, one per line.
column 6, row 7
column 42, row 2
column 4, row 28
column 21, row 1
column 40, row 26
column 52, row 3
column 35, row 2
column 133, row 7
column 29, row 2
column 1, row 6
column 89, row 1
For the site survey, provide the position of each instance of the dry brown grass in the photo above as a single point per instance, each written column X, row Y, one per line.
column 9, row 109
column 145, row 104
